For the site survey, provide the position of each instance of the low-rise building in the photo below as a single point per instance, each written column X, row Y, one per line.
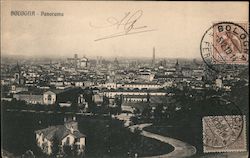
column 113, row 93
column 135, row 98
column 29, row 97
column 65, row 135
column 141, row 86
column 127, row 107
column 16, row 88
column 49, row 98
column 98, row 98
column 36, row 97
column 218, row 83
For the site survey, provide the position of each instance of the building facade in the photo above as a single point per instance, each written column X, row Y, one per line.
column 66, row 135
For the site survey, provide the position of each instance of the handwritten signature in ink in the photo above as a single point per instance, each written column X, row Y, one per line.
column 126, row 25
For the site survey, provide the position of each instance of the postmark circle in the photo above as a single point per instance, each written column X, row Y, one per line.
column 224, row 46
column 222, row 131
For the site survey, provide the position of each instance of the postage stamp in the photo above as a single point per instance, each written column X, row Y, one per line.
column 225, row 43
column 224, row 133
column 230, row 43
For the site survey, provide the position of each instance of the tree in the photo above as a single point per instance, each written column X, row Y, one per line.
column 118, row 101
column 158, row 113
column 68, row 150
column 105, row 101
column 146, row 113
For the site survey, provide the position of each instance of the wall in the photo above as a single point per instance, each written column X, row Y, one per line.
column 29, row 98
column 46, row 98
column 71, row 140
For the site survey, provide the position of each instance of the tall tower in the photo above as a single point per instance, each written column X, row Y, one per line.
column 75, row 56
column 177, row 67
column 116, row 63
column 75, row 60
column 17, row 73
column 153, row 60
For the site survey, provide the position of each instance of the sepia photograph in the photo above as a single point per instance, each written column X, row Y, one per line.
column 124, row 79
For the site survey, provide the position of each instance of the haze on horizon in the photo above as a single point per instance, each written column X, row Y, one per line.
column 177, row 28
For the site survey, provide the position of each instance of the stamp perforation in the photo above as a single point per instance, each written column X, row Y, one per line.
column 240, row 141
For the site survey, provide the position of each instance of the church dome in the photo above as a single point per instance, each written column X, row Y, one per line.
column 84, row 59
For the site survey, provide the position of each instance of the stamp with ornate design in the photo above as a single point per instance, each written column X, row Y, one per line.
column 225, row 44
column 224, row 133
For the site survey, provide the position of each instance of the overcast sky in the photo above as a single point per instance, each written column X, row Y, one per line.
column 176, row 27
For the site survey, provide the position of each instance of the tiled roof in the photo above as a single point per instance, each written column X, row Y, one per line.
column 78, row 134
column 59, row 131
column 32, row 92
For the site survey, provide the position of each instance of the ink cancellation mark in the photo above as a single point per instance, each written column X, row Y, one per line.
column 224, row 133
column 226, row 44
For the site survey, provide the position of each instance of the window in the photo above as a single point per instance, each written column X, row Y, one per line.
column 67, row 140
column 49, row 97
column 77, row 139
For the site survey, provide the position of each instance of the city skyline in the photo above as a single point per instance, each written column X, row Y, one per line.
column 126, row 79
column 150, row 57
column 85, row 32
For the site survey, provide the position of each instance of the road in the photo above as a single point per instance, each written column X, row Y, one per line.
column 52, row 112
column 181, row 149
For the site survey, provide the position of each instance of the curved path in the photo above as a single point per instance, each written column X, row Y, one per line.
column 181, row 149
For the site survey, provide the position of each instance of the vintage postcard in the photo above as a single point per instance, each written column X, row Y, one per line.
column 124, row 79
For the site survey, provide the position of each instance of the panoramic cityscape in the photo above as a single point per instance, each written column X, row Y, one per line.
column 77, row 107
column 109, row 79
